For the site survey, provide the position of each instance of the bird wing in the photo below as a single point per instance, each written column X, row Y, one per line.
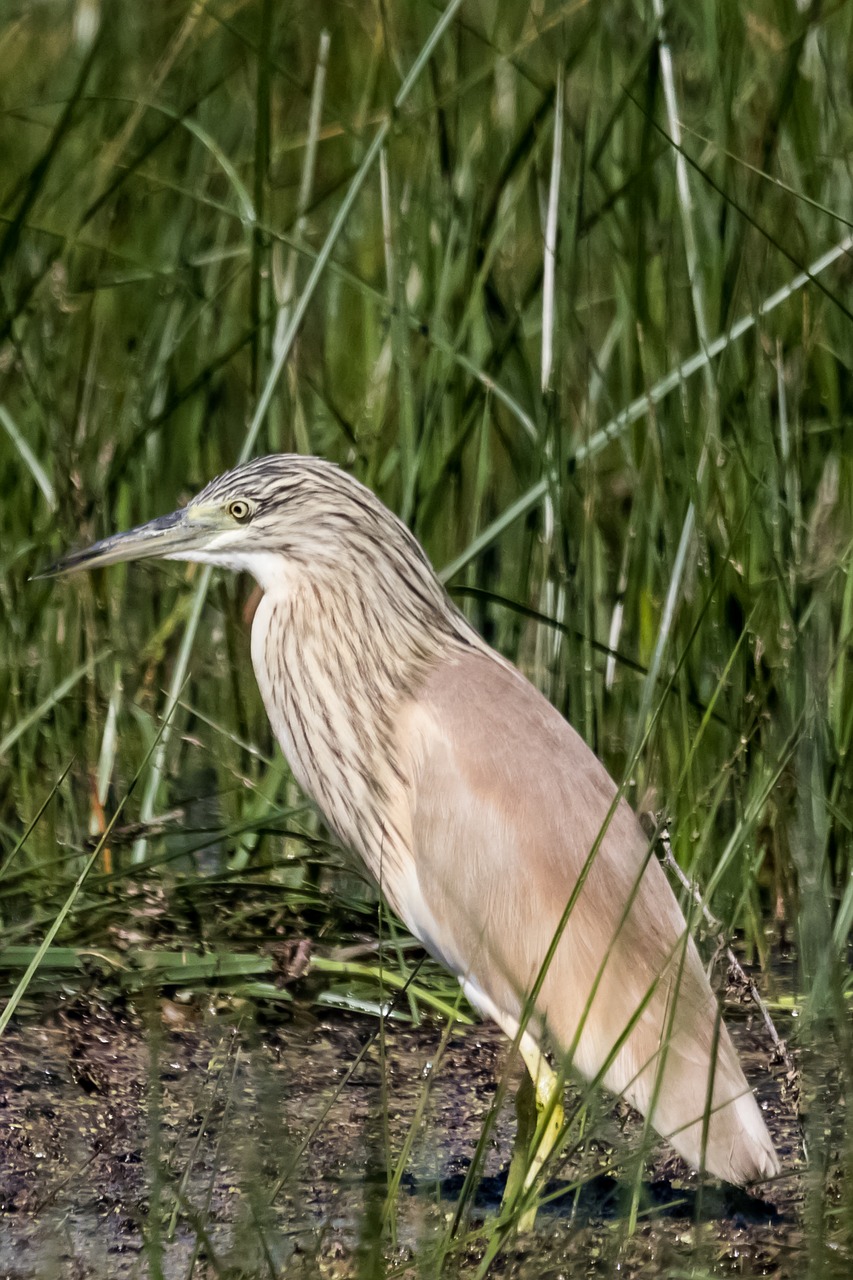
column 507, row 803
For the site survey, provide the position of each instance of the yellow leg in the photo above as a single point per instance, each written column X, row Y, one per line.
column 540, row 1119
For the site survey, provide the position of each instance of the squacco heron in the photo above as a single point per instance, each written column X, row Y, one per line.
column 489, row 825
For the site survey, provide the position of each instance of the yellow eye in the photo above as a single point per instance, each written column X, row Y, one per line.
column 240, row 510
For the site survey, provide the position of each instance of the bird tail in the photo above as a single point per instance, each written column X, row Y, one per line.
column 707, row 1112
column 732, row 1142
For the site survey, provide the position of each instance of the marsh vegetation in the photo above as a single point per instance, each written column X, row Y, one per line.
column 569, row 287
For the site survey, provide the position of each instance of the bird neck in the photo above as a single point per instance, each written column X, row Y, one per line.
column 384, row 633
column 334, row 665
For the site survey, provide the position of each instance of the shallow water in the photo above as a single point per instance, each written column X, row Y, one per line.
column 91, row 1100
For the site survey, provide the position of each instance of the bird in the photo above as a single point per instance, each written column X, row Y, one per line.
column 489, row 825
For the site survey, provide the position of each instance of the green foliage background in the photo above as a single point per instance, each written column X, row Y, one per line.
column 693, row 518
column 655, row 520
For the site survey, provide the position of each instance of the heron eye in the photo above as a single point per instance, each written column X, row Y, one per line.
column 240, row 510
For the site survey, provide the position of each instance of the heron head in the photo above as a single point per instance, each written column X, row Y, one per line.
column 269, row 517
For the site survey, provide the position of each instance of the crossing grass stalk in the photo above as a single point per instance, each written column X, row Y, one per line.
column 584, row 326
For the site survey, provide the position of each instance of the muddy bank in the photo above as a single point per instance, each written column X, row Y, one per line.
column 146, row 1142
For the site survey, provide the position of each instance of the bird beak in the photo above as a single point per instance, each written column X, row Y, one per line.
column 173, row 537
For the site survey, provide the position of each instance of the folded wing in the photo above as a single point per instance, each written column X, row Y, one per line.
column 507, row 803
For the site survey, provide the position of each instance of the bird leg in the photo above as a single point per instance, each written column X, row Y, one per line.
column 540, row 1119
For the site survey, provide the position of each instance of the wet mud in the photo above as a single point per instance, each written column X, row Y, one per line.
column 167, row 1141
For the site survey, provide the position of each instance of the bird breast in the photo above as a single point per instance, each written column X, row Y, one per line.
column 332, row 716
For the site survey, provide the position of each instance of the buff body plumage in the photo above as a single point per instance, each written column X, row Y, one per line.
column 470, row 799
